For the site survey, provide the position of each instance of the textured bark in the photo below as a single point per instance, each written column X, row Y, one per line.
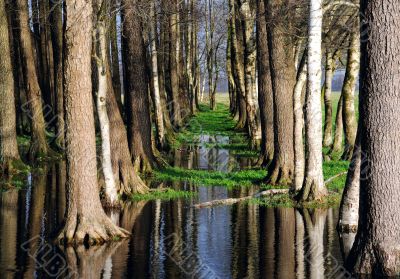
column 377, row 246
column 57, row 42
column 313, row 185
column 329, row 72
column 265, row 95
column 159, row 119
column 39, row 145
column 283, row 81
column 338, row 136
column 116, row 76
column 238, row 50
column 299, row 160
column 349, row 87
column 349, row 206
column 8, row 132
column 137, row 97
column 173, row 64
column 229, row 72
column 247, row 11
column 86, row 222
column 110, row 191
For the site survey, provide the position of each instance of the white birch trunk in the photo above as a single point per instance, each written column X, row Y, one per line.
column 313, row 186
column 154, row 67
column 110, row 186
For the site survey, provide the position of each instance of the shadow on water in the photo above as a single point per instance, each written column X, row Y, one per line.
column 171, row 239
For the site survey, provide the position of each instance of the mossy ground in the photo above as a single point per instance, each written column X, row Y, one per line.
column 220, row 123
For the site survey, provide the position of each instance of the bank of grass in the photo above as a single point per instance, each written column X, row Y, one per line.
column 220, row 123
column 164, row 195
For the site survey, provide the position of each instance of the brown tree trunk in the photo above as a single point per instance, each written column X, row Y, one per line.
column 8, row 132
column 137, row 97
column 283, row 80
column 377, row 246
column 349, row 87
column 265, row 95
column 329, row 71
column 34, row 107
column 57, row 40
column 86, row 221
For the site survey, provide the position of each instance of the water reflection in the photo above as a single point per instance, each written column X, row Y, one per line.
column 170, row 239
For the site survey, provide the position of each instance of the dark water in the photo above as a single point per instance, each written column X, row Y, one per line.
column 171, row 239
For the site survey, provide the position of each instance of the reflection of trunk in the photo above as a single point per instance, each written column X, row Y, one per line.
column 8, row 131
column 283, row 81
column 269, row 241
column 349, row 87
column 377, row 245
column 299, row 124
column 313, row 185
column 338, row 138
column 9, row 229
column 285, row 238
column 265, row 96
column 348, row 216
column 85, row 218
column 300, row 236
column 315, row 224
column 39, row 145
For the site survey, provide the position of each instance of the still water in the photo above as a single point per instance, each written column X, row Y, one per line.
column 171, row 239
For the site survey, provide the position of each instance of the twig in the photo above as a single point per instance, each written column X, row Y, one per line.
column 334, row 177
column 231, row 201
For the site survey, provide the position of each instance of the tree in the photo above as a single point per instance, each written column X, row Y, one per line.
column 283, row 81
column 376, row 249
column 39, row 146
column 313, row 185
column 137, row 97
column 85, row 219
column 265, row 96
column 8, row 133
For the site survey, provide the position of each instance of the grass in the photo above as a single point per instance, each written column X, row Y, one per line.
column 165, row 195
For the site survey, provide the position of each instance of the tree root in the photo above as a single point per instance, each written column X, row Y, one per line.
column 279, row 176
column 90, row 232
column 237, row 200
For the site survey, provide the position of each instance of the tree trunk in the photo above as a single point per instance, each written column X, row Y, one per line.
column 111, row 196
column 283, row 81
column 349, row 87
column 247, row 12
column 57, row 41
column 86, row 221
column 349, row 206
column 313, row 185
column 265, row 95
column 174, row 60
column 34, row 107
column 299, row 161
column 116, row 76
column 8, row 131
column 338, row 137
column 137, row 97
column 377, row 246
column 159, row 119
column 329, row 72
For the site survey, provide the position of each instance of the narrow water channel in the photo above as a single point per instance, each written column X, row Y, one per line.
column 171, row 239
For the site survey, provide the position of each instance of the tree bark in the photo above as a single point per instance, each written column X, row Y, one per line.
column 86, row 221
column 265, row 94
column 377, row 246
column 137, row 97
column 39, row 146
column 329, row 72
column 338, row 136
column 299, row 160
column 313, row 185
column 111, row 196
column 349, row 87
column 283, row 81
column 8, row 131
